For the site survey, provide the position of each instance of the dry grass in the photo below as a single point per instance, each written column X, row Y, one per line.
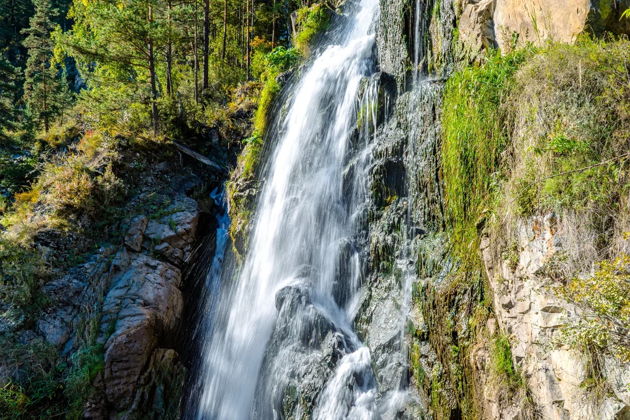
column 568, row 113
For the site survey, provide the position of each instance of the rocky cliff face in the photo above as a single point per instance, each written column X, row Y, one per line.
column 530, row 309
column 508, row 24
column 447, row 327
column 460, row 323
column 476, row 342
column 129, row 298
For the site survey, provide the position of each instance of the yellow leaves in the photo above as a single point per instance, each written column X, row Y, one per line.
column 606, row 294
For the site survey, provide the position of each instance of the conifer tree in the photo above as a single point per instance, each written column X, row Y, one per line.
column 42, row 84
column 8, row 89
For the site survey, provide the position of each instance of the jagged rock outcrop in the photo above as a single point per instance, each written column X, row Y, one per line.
column 511, row 23
column 141, row 312
column 130, row 298
column 454, row 336
column 317, row 346
column 530, row 309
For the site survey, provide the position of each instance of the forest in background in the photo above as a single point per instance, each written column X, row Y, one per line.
column 158, row 68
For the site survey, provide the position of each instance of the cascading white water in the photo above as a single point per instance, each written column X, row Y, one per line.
column 309, row 209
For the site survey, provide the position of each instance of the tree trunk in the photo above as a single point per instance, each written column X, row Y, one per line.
column 250, row 21
column 154, row 110
column 206, row 43
column 225, row 15
column 273, row 25
column 196, row 54
column 169, row 55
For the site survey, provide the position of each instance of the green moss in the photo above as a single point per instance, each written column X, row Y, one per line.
column 269, row 91
column 277, row 61
column 311, row 20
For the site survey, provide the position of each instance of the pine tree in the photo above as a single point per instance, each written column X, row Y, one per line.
column 8, row 89
column 42, row 85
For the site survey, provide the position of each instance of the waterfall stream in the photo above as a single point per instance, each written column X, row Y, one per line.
column 284, row 323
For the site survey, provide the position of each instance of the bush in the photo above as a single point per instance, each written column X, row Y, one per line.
column 37, row 390
column 86, row 364
column 311, row 20
column 12, row 401
column 573, row 101
column 278, row 61
column 21, row 270
column 606, row 295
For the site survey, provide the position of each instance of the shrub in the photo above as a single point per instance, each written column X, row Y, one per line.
column 61, row 134
column 573, row 100
column 37, row 390
column 311, row 20
column 278, row 61
column 21, row 270
column 12, row 401
column 606, row 295
column 269, row 91
column 86, row 364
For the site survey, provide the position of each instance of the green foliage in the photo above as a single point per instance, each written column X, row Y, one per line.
column 37, row 391
column 279, row 60
column 86, row 364
column 17, row 169
column 606, row 294
column 311, row 21
column 577, row 97
column 502, row 362
column 8, row 96
column 283, row 59
column 21, row 270
column 474, row 140
column 42, row 88
column 269, row 91
column 12, row 401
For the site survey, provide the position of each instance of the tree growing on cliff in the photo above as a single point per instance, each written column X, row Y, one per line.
column 42, row 85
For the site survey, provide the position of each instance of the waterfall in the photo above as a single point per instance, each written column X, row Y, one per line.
column 288, row 314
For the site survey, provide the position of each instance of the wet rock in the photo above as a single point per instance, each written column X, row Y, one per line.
column 393, row 54
column 306, row 336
